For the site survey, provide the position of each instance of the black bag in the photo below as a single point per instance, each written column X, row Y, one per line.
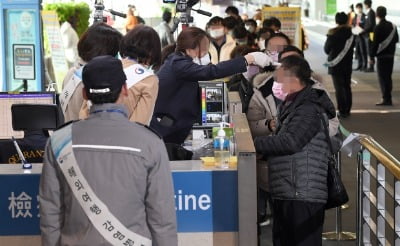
column 337, row 194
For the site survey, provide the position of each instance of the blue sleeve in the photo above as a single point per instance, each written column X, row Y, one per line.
column 186, row 69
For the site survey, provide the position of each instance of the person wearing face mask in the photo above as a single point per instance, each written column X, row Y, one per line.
column 261, row 113
column 177, row 106
column 221, row 43
column 291, row 50
column 297, row 155
column 240, row 35
column 251, row 27
column 140, row 50
column 384, row 48
column 240, row 81
column 262, row 35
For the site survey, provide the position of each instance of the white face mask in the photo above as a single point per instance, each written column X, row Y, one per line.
column 217, row 33
column 205, row 60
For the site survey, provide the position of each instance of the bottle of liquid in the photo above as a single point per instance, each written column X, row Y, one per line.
column 221, row 148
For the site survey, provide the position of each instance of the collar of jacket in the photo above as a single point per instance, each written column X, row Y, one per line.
column 293, row 101
column 108, row 110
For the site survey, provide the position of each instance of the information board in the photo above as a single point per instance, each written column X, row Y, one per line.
column 290, row 18
column 53, row 34
column 24, row 61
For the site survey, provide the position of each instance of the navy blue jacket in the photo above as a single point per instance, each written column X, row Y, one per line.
column 178, row 97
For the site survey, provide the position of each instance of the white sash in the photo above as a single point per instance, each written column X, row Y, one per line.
column 99, row 215
column 70, row 88
column 342, row 53
column 385, row 43
column 136, row 73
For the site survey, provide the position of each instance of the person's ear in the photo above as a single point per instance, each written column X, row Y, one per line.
column 84, row 94
column 124, row 90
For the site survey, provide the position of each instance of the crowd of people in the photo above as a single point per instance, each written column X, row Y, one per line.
column 155, row 84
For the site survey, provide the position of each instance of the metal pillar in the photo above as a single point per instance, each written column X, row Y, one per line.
column 338, row 234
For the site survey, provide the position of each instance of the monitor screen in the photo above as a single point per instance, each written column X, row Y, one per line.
column 212, row 103
column 8, row 99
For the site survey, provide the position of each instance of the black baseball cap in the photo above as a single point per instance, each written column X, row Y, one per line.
column 103, row 75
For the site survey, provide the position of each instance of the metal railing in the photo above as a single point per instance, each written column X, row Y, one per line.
column 378, row 195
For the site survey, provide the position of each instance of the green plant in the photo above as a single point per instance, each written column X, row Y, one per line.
column 76, row 13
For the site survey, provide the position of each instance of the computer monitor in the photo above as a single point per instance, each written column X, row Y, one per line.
column 212, row 103
column 8, row 99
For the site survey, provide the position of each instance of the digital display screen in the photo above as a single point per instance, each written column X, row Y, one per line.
column 212, row 103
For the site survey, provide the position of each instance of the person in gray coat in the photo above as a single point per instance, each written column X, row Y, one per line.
column 124, row 163
column 297, row 155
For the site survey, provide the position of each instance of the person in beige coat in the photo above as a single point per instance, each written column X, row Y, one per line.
column 140, row 50
column 100, row 39
column 222, row 43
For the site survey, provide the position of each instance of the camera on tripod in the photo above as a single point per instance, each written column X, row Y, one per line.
column 98, row 12
column 184, row 7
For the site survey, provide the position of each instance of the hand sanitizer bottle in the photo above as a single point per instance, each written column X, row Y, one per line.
column 221, row 148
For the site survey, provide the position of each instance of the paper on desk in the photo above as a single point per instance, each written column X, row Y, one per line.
column 356, row 30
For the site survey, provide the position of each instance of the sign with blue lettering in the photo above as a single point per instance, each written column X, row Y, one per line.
column 205, row 201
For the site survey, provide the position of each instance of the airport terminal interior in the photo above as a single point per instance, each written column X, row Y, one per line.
column 217, row 106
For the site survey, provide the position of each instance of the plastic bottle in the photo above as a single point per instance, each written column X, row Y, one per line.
column 221, row 148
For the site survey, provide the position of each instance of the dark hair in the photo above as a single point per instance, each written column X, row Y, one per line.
column 166, row 51
column 352, row 7
column 166, row 16
column 241, row 50
column 341, row 18
column 190, row 38
column 230, row 22
column 239, row 32
column 251, row 22
column 298, row 67
column 264, row 30
column 291, row 48
column 359, row 5
column 110, row 97
column 278, row 35
column 143, row 44
column 381, row 12
column 272, row 21
column 232, row 9
column 368, row 3
column 216, row 20
column 100, row 39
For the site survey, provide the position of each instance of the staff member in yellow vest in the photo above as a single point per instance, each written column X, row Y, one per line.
column 100, row 39
column 106, row 180
column 141, row 52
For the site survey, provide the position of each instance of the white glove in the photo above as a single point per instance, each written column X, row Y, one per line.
column 261, row 59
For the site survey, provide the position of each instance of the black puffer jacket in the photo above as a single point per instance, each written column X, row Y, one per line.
column 297, row 153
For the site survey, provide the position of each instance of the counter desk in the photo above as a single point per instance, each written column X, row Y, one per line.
column 213, row 206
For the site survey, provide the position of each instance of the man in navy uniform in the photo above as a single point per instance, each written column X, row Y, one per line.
column 384, row 48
